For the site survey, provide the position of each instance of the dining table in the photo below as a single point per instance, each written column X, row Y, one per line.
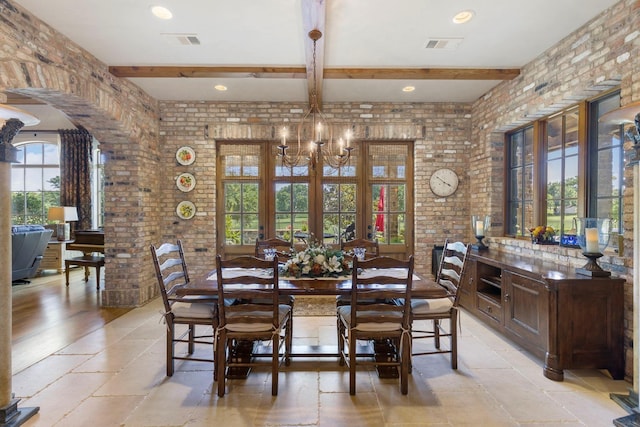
column 422, row 287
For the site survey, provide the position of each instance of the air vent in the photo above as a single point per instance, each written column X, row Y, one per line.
column 182, row 39
column 445, row 43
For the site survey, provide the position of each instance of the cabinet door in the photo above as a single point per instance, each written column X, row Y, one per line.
column 468, row 289
column 525, row 309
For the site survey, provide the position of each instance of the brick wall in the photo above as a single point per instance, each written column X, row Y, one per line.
column 140, row 137
column 601, row 55
column 440, row 132
column 37, row 61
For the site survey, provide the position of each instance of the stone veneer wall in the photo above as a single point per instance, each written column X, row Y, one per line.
column 440, row 131
column 601, row 55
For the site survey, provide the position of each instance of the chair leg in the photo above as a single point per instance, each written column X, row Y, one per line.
column 86, row 273
column 275, row 361
column 288, row 341
column 352, row 365
column 405, row 362
column 97, row 277
column 192, row 334
column 436, row 333
column 340, row 342
column 170, row 336
column 454, row 339
column 221, row 362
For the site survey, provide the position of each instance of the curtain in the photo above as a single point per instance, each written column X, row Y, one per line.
column 75, row 174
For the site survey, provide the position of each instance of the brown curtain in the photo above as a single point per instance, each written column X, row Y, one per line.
column 75, row 174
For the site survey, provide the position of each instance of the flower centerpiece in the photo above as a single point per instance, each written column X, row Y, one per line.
column 543, row 235
column 316, row 260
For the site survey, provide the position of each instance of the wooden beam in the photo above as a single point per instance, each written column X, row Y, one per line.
column 210, row 72
column 422, row 73
column 313, row 19
column 328, row 73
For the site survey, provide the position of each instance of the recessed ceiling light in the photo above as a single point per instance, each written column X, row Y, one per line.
column 463, row 17
column 161, row 12
column 408, row 88
column 221, row 88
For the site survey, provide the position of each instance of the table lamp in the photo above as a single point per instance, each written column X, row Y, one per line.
column 593, row 238
column 63, row 214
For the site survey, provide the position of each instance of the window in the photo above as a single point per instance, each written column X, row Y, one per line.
column 262, row 198
column 35, row 181
column 577, row 171
column 562, row 150
column 606, row 163
column 520, row 173
column 97, row 188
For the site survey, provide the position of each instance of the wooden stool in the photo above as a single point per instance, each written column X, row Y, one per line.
column 85, row 261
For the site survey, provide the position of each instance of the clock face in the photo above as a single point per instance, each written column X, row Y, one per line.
column 444, row 182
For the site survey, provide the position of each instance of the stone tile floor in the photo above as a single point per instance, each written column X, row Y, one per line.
column 115, row 376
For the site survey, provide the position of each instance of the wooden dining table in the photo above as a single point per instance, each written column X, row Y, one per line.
column 422, row 287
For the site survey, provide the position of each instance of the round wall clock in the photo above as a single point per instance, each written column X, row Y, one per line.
column 443, row 182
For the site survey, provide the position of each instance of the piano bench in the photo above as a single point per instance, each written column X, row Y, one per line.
column 85, row 261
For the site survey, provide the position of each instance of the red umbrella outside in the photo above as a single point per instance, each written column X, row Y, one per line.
column 380, row 217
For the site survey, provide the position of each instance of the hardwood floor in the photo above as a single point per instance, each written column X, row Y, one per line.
column 48, row 316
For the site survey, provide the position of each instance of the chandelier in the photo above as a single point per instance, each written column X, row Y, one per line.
column 315, row 132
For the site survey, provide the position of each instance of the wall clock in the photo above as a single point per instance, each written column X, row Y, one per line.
column 443, row 182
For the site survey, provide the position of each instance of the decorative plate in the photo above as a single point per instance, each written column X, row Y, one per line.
column 186, row 210
column 186, row 182
column 185, row 155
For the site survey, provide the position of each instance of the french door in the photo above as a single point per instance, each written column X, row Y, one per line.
column 258, row 197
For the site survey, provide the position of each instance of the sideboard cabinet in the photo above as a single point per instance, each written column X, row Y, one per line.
column 569, row 320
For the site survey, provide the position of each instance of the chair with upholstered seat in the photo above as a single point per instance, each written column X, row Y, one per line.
column 450, row 274
column 171, row 272
column 282, row 247
column 377, row 321
column 372, row 249
column 258, row 317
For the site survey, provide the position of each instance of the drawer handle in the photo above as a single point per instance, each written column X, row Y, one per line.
column 506, row 297
column 489, row 309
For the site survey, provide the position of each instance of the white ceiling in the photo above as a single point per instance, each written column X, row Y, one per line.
column 359, row 33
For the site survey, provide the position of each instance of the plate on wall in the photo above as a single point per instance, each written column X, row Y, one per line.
column 185, row 155
column 186, row 182
column 186, row 210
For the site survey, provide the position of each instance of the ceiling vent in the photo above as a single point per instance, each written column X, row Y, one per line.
column 445, row 43
column 182, row 39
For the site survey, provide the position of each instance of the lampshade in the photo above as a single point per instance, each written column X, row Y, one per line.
column 62, row 213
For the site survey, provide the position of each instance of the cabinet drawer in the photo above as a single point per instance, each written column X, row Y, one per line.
column 489, row 307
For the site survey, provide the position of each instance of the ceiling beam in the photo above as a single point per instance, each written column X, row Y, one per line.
column 208, row 72
column 328, row 73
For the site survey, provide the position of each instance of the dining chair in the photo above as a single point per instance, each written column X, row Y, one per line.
column 450, row 275
column 171, row 272
column 283, row 251
column 379, row 278
column 282, row 247
column 372, row 249
column 257, row 317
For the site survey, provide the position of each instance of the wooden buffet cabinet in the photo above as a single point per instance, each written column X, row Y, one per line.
column 569, row 320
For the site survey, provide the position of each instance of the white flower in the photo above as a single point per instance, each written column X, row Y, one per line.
column 319, row 259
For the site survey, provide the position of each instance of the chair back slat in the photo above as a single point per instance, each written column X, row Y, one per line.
column 380, row 279
column 371, row 246
column 171, row 270
column 282, row 247
column 452, row 266
column 251, row 281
